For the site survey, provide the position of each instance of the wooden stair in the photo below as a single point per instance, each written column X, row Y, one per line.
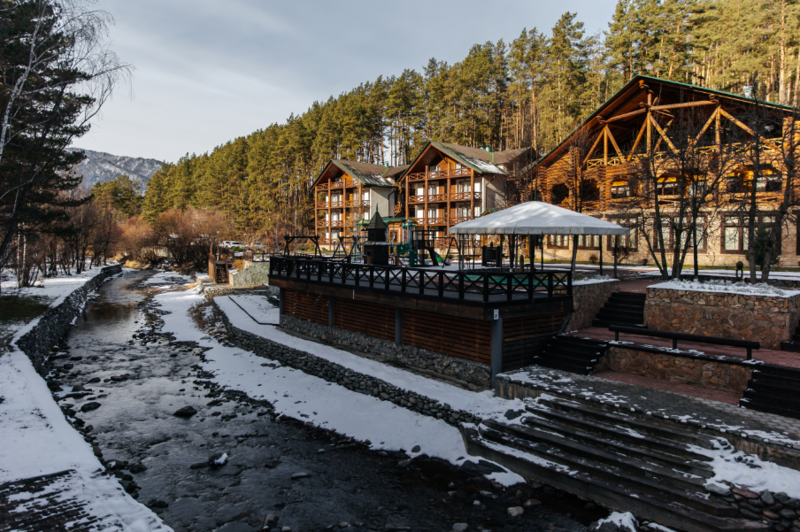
column 613, row 459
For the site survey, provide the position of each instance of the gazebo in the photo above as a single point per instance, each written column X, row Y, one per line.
column 536, row 218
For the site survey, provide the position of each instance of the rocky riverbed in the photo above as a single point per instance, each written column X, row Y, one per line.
column 207, row 458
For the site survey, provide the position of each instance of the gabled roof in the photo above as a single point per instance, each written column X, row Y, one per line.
column 629, row 97
column 481, row 161
column 366, row 173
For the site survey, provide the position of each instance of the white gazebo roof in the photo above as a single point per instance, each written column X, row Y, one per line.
column 537, row 218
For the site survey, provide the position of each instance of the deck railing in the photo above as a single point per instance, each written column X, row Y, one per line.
column 487, row 286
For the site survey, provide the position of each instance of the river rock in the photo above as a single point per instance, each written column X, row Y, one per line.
column 78, row 388
column 460, row 527
column 186, row 411
column 218, row 459
column 516, row 511
column 88, row 407
column 300, row 474
column 137, row 468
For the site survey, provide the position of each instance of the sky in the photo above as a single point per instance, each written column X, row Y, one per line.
column 209, row 71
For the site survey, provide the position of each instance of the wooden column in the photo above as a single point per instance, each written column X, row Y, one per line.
column 497, row 347
column 408, row 198
column 425, row 199
column 344, row 206
column 329, row 207
column 447, row 212
column 472, row 194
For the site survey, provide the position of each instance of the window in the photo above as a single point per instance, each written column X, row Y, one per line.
column 558, row 241
column 668, row 186
column 669, row 227
column 768, row 181
column 459, row 166
column 631, row 240
column 735, row 232
column 589, row 241
column 620, row 189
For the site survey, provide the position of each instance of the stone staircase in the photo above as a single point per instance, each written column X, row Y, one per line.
column 571, row 353
column 622, row 308
column 613, row 459
column 773, row 389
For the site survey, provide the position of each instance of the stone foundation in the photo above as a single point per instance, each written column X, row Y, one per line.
column 699, row 370
column 587, row 300
column 765, row 319
column 56, row 322
column 405, row 355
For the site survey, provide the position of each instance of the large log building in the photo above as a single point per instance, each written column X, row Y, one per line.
column 596, row 170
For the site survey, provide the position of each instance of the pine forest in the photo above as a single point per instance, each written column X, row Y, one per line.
column 532, row 91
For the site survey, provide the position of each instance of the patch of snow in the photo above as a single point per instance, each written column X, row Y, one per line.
column 759, row 289
column 258, row 307
column 622, row 520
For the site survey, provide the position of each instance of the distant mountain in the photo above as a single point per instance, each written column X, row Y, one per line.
column 99, row 167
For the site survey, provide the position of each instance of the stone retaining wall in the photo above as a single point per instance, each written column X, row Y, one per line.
column 350, row 379
column 765, row 319
column 587, row 300
column 465, row 370
column 253, row 274
column 56, row 321
column 730, row 377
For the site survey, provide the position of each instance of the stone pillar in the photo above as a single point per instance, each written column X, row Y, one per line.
column 398, row 326
column 497, row 347
column 330, row 311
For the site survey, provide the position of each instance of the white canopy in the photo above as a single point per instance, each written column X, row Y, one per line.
column 537, row 218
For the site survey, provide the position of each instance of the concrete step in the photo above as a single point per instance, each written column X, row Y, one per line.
column 601, row 414
column 761, row 404
column 606, row 485
column 618, row 437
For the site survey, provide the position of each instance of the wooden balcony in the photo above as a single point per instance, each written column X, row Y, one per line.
column 356, row 203
column 416, row 199
column 440, row 174
column 330, row 223
column 466, row 196
column 436, row 220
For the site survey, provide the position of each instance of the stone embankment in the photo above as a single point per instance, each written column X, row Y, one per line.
column 56, row 321
column 760, row 318
column 336, row 373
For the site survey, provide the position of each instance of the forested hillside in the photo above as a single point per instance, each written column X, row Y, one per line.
column 530, row 92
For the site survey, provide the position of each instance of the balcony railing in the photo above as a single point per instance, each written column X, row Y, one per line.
column 439, row 174
column 356, row 203
column 472, row 286
column 329, row 223
column 442, row 198
column 465, row 196
column 436, row 220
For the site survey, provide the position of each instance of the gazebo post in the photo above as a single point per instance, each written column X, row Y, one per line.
column 616, row 247
column 531, row 251
column 601, row 254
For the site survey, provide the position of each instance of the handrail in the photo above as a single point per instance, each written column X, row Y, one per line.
column 453, row 284
column 674, row 336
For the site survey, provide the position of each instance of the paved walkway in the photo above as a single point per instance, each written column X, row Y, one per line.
column 704, row 413
column 768, row 356
column 691, row 390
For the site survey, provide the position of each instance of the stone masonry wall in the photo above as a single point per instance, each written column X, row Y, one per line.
column 253, row 274
column 669, row 367
column 56, row 321
column 587, row 300
column 766, row 319
column 350, row 379
column 406, row 355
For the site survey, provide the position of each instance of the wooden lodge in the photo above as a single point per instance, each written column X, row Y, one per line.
column 445, row 184
column 597, row 169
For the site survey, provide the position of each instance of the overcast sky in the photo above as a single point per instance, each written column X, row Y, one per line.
column 208, row 71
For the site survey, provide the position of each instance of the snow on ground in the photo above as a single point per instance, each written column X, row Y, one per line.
column 38, row 440
column 748, row 470
column 56, row 288
column 774, row 275
column 759, row 289
column 294, row 393
column 258, row 307
column 482, row 404
column 624, row 521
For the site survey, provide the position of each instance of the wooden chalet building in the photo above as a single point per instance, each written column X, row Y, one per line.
column 445, row 184
column 347, row 192
column 596, row 170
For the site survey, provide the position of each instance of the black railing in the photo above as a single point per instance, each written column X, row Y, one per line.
column 464, row 285
column 675, row 336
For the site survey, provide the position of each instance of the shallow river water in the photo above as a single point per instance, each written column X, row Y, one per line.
column 308, row 478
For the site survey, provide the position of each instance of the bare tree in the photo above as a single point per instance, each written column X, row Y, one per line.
column 56, row 72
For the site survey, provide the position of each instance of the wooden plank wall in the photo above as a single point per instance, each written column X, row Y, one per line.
column 306, row 306
column 366, row 318
column 458, row 337
column 524, row 338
